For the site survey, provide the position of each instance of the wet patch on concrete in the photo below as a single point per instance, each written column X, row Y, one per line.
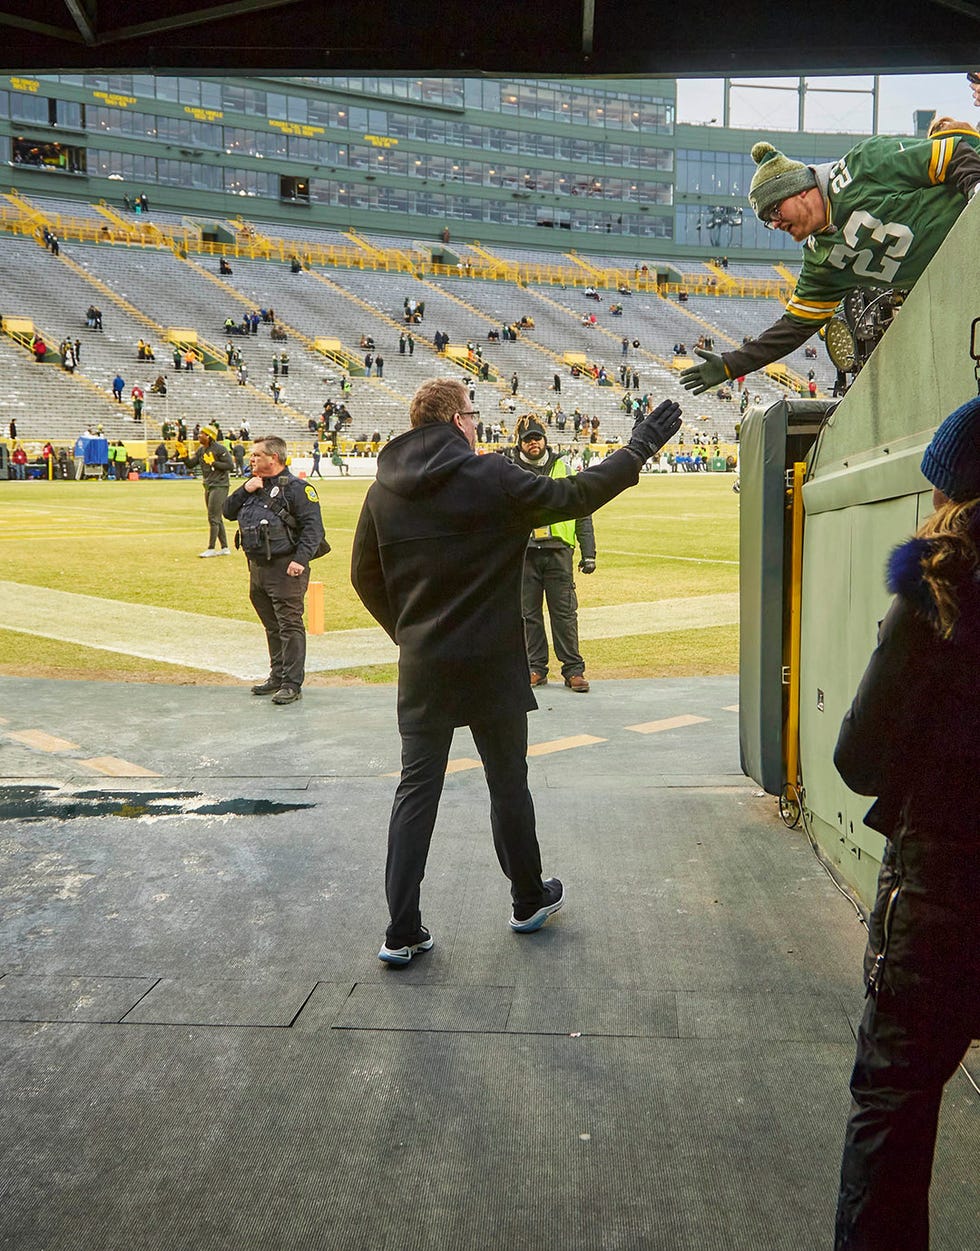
column 51, row 803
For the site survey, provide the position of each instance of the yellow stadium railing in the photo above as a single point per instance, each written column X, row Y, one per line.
column 249, row 244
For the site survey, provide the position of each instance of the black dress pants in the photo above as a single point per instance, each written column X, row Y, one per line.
column 502, row 745
column 278, row 600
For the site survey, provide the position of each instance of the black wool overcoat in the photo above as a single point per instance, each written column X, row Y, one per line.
column 438, row 561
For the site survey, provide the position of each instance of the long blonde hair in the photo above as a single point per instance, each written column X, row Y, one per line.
column 951, row 559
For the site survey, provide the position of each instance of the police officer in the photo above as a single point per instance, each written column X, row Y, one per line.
column 548, row 570
column 216, row 464
column 280, row 530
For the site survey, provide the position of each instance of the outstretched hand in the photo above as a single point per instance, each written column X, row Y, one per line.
column 651, row 433
column 700, row 378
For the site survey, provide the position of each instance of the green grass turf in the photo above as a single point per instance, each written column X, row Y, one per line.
column 671, row 536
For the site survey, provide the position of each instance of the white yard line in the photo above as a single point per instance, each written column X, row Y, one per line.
column 197, row 641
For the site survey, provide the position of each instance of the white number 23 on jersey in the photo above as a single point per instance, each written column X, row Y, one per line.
column 871, row 262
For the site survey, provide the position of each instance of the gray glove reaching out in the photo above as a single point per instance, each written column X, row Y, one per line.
column 699, row 378
column 651, row 433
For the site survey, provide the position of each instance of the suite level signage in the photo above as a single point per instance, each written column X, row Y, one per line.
column 114, row 101
column 203, row 115
column 294, row 128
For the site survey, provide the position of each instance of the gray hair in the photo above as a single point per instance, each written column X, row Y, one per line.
column 274, row 446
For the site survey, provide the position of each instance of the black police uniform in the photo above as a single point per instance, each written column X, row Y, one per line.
column 278, row 525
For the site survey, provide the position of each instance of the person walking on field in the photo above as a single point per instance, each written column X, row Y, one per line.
column 217, row 465
column 437, row 560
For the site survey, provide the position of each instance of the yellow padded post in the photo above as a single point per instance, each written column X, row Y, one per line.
column 314, row 608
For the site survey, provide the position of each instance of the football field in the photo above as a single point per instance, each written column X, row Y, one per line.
column 103, row 580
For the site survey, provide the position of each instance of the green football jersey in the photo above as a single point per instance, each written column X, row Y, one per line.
column 888, row 209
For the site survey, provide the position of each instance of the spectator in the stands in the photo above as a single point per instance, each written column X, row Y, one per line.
column 19, row 461
column 918, row 188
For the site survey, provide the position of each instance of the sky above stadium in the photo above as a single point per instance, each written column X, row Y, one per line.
column 832, row 104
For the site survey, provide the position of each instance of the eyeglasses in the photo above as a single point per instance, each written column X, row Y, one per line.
column 775, row 218
column 470, row 412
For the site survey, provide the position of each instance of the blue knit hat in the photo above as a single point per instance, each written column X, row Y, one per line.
column 951, row 462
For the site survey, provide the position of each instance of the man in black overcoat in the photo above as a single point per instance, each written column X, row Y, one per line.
column 437, row 560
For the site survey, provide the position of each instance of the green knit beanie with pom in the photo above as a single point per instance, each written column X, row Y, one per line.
column 776, row 179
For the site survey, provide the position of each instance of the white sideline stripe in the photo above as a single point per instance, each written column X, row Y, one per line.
column 220, row 644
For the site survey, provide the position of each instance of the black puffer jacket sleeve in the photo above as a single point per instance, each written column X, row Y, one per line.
column 877, row 737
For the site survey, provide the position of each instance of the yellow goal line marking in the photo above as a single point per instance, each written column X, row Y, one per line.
column 113, row 767
column 41, row 740
column 463, row 763
column 668, row 723
column 563, row 744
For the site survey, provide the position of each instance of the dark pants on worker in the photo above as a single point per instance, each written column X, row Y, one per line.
column 548, row 577
column 214, row 498
column 914, row 1033
column 502, row 745
column 278, row 600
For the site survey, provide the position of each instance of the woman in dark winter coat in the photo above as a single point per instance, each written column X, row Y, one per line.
column 912, row 738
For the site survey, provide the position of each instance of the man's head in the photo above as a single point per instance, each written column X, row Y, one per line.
column 268, row 456
column 446, row 401
column 784, row 193
column 532, row 441
column 207, row 435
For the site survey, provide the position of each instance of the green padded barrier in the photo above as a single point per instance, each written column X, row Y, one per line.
column 771, row 440
column 864, row 495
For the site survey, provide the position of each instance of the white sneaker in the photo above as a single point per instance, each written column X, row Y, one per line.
column 210, row 552
column 225, row 551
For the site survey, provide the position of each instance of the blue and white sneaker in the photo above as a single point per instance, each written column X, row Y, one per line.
column 403, row 955
column 554, row 899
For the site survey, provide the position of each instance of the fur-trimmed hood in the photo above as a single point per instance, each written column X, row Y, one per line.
column 904, row 577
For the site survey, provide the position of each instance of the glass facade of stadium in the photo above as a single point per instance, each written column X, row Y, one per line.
column 597, row 165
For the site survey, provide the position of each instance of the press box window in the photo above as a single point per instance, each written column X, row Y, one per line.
column 294, row 190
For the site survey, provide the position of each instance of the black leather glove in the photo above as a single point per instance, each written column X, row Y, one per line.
column 651, row 433
column 699, row 378
column 586, row 565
